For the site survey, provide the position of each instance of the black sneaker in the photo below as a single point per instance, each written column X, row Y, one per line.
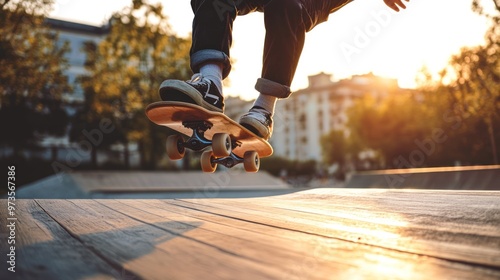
column 258, row 121
column 199, row 91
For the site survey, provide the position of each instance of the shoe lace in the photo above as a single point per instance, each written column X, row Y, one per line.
column 197, row 80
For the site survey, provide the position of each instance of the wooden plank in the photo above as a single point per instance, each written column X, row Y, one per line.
column 44, row 250
column 470, row 213
column 467, row 215
column 317, row 234
column 290, row 256
column 388, row 229
column 440, row 212
column 148, row 250
column 362, row 259
column 248, row 245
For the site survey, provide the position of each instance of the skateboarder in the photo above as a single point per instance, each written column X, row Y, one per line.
column 286, row 23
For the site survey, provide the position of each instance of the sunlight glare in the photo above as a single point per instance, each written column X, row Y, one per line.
column 389, row 44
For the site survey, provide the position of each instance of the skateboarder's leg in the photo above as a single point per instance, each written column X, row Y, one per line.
column 286, row 22
column 212, row 31
column 285, row 34
column 212, row 38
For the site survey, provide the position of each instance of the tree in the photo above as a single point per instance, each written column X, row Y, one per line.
column 334, row 147
column 125, row 70
column 468, row 103
column 389, row 126
column 487, row 73
column 31, row 74
column 454, row 119
column 477, row 89
column 338, row 148
column 475, row 76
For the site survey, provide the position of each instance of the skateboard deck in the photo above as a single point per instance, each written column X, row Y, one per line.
column 202, row 126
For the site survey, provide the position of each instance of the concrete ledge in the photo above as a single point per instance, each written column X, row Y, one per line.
column 455, row 178
column 147, row 184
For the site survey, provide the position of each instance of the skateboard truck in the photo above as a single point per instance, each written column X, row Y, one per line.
column 250, row 160
column 228, row 161
column 197, row 141
column 221, row 152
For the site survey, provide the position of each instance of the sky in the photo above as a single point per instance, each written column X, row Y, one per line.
column 364, row 36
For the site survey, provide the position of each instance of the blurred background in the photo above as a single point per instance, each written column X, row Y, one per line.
column 374, row 89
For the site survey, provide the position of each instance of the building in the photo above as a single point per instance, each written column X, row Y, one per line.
column 301, row 120
column 76, row 34
column 60, row 149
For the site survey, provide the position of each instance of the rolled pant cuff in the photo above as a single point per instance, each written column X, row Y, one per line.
column 268, row 87
column 201, row 57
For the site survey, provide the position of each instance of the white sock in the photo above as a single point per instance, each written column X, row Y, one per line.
column 213, row 72
column 266, row 102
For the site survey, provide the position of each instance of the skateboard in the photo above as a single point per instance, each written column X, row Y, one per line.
column 230, row 143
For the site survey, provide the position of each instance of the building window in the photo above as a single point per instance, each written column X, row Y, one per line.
column 302, row 121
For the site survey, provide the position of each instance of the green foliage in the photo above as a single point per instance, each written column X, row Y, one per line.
column 389, row 126
column 31, row 74
column 334, row 147
column 475, row 86
column 125, row 71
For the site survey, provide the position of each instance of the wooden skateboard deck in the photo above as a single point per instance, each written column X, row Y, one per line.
column 180, row 116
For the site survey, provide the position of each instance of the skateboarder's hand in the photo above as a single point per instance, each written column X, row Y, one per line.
column 395, row 4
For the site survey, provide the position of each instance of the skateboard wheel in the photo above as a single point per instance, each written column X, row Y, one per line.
column 221, row 144
column 251, row 161
column 206, row 162
column 175, row 150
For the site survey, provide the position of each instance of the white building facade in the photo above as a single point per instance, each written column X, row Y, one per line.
column 310, row 113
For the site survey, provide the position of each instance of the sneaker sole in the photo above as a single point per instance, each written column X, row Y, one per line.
column 253, row 125
column 190, row 92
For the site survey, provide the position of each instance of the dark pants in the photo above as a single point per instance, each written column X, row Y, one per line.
column 286, row 23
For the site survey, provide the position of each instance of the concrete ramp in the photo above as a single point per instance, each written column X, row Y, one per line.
column 144, row 184
column 453, row 178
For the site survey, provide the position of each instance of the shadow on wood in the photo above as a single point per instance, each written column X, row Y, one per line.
column 315, row 234
column 72, row 247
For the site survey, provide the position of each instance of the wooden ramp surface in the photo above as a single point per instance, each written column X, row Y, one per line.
column 315, row 234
